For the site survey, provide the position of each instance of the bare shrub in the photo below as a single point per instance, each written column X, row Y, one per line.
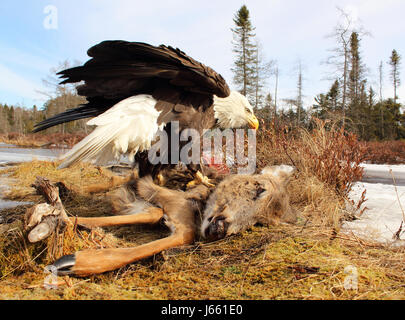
column 332, row 155
column 385, row 152
column 327, row 161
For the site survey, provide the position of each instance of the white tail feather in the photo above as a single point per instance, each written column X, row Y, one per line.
column 126, row 128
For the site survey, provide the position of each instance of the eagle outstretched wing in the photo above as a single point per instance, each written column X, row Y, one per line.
column 118, row 70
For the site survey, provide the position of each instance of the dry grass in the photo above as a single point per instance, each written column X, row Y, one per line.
column 37, row 140
column 327, row 162
column 303, row 261
column 263, row 263
column 26, row 173
column 19, row 258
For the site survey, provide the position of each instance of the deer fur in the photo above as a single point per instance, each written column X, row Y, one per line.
column 241, row 201
column 237, row 203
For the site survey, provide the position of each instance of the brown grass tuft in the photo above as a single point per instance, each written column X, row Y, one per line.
column 327, row 161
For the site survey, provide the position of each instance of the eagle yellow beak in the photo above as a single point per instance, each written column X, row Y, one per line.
column 253, row 122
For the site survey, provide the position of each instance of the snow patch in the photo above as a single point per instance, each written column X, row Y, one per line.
column 383, row 216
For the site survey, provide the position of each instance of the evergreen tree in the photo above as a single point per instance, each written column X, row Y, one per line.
column 356, row 69
column 395, row 62
column 10, row 116
column 266, row 113
column 357, row 92
column 327, row 106
column 334, row 96
column 380, row 74
column 246, row 53
column 340, row 57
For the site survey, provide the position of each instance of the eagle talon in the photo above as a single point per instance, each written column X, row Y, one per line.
column 161, row 180
column 200, row 179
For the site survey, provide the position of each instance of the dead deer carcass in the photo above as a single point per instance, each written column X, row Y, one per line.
column 237, row 203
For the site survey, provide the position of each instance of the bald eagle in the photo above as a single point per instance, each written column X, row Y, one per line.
column 134, row 89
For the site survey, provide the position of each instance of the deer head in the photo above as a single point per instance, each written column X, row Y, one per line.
column 241, row 201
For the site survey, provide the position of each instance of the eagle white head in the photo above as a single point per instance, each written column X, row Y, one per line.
column 234, row 111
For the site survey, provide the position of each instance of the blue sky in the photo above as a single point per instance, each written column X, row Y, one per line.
column 289, row 30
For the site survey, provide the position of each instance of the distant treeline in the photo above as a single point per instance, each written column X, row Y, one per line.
column 17, row 119
column 351, row 101
column 371, row 120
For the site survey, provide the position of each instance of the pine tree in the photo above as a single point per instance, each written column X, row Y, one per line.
column 245, row 50
column 362, row 115
column 395, row 62
column 342, row 57
column 11, row 117
column 381, row 76
column 266, row 113
column 327, row 106
column 357, row 95
column 269, row 107
column 356, row 69
column 334, row 95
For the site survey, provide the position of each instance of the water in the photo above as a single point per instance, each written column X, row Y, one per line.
column 11, row 154
column 372, row 175
column 5, row 182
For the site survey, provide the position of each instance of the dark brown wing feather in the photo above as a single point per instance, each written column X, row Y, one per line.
column 120, row 69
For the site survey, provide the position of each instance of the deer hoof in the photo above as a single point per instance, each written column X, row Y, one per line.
column 64, row 266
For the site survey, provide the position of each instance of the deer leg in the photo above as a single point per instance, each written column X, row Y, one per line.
column 88, row 262
column 115, row 181
column 149, row 216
